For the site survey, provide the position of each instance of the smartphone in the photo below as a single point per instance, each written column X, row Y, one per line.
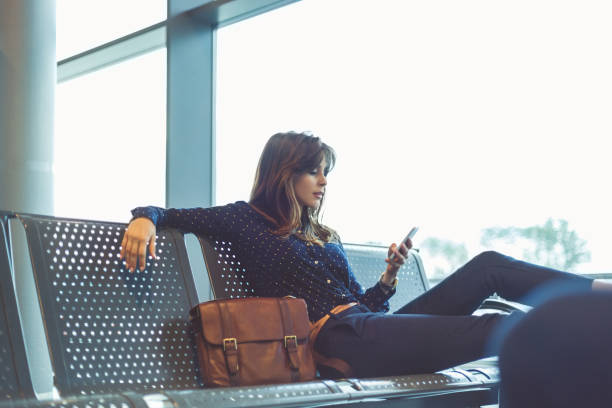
column 408, row 236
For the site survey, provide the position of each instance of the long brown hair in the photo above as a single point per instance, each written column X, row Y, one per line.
column 285, row 157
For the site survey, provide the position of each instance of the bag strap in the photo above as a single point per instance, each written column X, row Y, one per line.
column 230, row 343
column 337, row 364
column 290, row 339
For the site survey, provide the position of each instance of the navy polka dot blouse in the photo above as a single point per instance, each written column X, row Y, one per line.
column 276, row 266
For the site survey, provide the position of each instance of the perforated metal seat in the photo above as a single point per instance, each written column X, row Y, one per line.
column 110, row 330
column 15, row 381
column 368, row 262
column 226, row 273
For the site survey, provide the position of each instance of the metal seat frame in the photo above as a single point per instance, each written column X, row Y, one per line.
column 15, row 380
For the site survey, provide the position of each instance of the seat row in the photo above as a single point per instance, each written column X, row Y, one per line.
column 121, row 339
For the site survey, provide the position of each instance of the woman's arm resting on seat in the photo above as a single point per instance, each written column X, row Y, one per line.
column 139, row 233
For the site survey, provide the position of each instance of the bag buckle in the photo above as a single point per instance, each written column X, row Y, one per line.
column 294, row 338
column 230, row 340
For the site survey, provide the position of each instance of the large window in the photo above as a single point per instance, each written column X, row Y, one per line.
column 85, row 24
column 485, row 123
column 110, row 140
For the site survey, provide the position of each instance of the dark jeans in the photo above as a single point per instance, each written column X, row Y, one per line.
column 437, row 330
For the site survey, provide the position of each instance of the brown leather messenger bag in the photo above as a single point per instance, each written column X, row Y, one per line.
column 252, row 341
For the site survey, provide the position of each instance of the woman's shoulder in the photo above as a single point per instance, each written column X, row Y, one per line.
column 241, row 207
column 237, row 206
column 334, row 237
column 246, row 210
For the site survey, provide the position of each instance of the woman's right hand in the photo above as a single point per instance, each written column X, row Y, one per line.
column 138, row 234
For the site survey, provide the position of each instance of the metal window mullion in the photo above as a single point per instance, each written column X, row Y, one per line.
column 130, row 46
column 189, row 146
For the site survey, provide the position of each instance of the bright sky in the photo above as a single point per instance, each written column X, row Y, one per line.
column 453, row 116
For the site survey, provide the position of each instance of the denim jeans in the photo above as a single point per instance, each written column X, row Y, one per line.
column 437, row 329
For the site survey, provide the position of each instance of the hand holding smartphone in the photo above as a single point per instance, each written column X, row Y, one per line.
column 408, row 236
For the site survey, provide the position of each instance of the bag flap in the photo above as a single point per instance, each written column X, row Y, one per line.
column 252, row 319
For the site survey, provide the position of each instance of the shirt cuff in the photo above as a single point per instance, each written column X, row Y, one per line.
column 147, row 212
column 386, row 289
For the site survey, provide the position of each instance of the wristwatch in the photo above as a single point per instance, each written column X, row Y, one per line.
column 385, row 286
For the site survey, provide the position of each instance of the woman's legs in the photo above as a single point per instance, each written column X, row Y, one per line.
column 436, row 330
column 490, row 272
column 377, row 344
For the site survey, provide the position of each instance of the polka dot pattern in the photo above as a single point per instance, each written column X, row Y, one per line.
column 276, row 266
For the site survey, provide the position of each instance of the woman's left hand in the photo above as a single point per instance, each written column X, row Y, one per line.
column 396, row 256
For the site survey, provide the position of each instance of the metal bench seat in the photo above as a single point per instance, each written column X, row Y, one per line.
column 122, row 340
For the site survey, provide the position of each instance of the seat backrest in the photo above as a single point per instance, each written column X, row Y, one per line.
column 226, row 273
column 368, row 262
column 15, row 381
column 228, row 276
column 110, row 330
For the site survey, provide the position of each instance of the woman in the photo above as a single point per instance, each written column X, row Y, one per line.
column 287, row 251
